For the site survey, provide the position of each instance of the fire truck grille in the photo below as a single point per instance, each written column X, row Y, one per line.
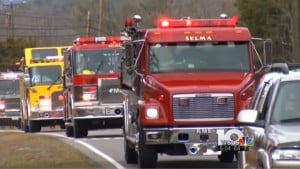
column 203, row 107
column 12, row 103
column 109, row 91
column 56, row 103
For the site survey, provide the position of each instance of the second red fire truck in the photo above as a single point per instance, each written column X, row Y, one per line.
column 92, row 98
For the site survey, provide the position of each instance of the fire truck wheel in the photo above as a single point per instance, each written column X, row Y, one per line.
column 147, row 154
column 34, row 127
column 69, row 131
column 79, row 131
column 24, row 127
column 62, row 126
column 131, row 156
column 226, row 156
column 18, row 125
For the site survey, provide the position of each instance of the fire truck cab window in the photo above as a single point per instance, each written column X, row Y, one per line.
column 162, row 58
column 194, row 57
column 97, row 61
column 45, row 75
column 9, row 87
column 38, row 54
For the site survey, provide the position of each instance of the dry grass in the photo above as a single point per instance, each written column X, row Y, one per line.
column 24, row 150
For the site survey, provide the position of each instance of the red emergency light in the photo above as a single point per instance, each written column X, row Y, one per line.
column 183, row 23
column 102, row 39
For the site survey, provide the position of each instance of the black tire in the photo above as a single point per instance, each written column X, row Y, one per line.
column 226, row 156
column 18, row 124
column 236, row 155
column 131, row 156
column 79, row 130
column 147, row 154
column 34, row 126
column 62, row 126
column 69, row 131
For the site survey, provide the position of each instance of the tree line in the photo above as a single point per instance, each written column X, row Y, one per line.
column 274, row 19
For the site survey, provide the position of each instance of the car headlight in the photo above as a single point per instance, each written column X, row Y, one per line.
column 152, row 113
column 285, row 154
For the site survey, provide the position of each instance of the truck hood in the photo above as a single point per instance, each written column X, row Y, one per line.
column 204, row 81
column 285, row 133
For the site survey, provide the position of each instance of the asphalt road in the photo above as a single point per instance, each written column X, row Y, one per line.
column 106, row 147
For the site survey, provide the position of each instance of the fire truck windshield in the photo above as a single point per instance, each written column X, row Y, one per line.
column 38, row 54
column 45, row 75
column 8, row 87
column 194, row 57
column 97, row 61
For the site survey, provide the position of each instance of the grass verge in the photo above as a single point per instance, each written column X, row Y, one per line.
column 26, row 150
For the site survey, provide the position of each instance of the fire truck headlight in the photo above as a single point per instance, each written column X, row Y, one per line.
column 2, row 105
column 45, row 102
column 89, row 96
column 152, row 113
column 89, row 93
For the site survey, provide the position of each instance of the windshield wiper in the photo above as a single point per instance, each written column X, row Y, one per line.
column 290, row 120
column 53, row 82
column 98, row 67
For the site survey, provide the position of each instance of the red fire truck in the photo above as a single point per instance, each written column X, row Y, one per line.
column 10, row 99
column 183, row 84
column 92, row 98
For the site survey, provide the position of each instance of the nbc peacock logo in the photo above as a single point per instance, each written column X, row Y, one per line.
column 246, row 141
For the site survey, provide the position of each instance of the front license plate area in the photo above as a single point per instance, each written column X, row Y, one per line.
column 109, row 111
column 207, row 135
column 204, row 137
column 205, row 131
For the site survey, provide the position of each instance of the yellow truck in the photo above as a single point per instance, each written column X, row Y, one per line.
column 41, row 88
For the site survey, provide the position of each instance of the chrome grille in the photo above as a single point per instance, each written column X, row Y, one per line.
column 203, row 107
column 12, row 103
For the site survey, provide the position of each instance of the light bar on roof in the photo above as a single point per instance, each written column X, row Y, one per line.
column 48, row 59
column 102, row 39
column 55, row 58
column 10, row 75
column 182, row 23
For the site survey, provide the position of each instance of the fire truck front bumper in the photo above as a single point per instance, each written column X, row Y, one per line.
column 10, row 117
column 197, row 140
column 57, row 114
column 103, row 111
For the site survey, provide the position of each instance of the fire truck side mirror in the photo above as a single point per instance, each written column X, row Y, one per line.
column 130, row 70
column 267, row 52
column 26, row 80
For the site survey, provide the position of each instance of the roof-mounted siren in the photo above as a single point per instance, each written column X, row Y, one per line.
column 223, row 16
column 102, row 39
column 137, row 19
column 131, row 25
column 75, row 41
column 188, row 22
column 280, row 68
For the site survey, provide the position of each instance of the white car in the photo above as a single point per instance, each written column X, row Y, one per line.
column 273, row 121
